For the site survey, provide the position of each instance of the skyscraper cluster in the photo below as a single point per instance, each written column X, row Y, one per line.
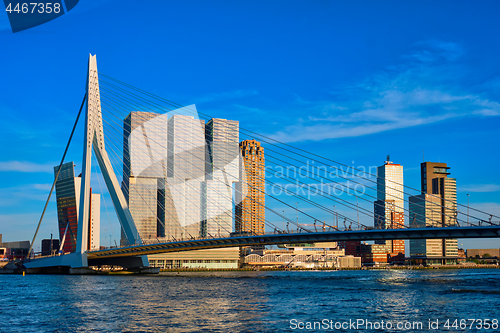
column 436, row 206
column 182, row 176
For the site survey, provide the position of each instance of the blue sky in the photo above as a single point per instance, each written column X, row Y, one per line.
column 353, row 81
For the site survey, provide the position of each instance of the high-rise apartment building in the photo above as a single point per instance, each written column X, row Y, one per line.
column 250, row 190
column 389, row 207
column 437, row 207
column 179, row 174
column 68, row 200
column 222, row 171
column 144, row 154
column 93, row 242
column 184, row 209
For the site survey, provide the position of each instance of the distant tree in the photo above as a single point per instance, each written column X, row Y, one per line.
column 486, row 255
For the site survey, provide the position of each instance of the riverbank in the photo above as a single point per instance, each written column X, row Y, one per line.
column 248, row 269
column 14, row 269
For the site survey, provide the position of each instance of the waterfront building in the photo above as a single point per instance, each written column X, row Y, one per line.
column 186, row 176
column 373, row 254
column 389, row 207
column 388, row 214
column 50, row 246
column 94, row 222
column 250, row 190
column 435, row 207
column 318, row 255
column 222, row 172
column 390, row 195
column 207, row 259
column 483, row 253
column 144, row 152
column 14, row 250
column 68, row 200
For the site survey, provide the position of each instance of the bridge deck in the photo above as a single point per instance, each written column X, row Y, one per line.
column 311, row 237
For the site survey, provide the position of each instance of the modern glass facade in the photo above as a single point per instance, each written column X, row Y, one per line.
column 95, row 222
column 425, row 211
column 67, row 194
column 390, row 194
column 186, row 176
column 389, row 207
column 68, row 200
column 179, row 175
column 436, row 207
column 222, row 167
column 210, row 258
column 144, row 154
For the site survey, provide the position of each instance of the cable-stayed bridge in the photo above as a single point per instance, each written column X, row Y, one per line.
column 297, row 238
column 178, row 181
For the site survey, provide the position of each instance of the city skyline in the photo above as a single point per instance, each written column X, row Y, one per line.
column 457, row 105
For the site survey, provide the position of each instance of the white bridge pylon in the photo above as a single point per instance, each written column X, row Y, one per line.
column 94, row 138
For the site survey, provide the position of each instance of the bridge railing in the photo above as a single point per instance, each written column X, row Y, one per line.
column 319, row 228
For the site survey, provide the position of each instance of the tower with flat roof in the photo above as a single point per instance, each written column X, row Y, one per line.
column 250, row 190
column 389, row 207
column 435, row 207
column 68, row 200
column 222, row 172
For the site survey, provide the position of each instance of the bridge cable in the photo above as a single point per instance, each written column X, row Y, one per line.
column 56, row 177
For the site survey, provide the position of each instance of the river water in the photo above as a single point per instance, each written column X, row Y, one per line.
column 253, row 301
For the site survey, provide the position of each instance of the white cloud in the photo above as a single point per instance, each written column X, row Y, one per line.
column 18, row 195
column 480, row 188
column 25, row 166
column 422, row 91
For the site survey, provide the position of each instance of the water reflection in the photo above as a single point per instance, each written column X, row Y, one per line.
column 241, row 301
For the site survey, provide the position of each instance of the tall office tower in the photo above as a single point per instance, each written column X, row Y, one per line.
column 250, row 190
column 389, row 208
column 94, row 222
column 425, row 211
column 222, row 171
column 144, row 153
column 186, row 176
column 68, row 200
column 436, row 206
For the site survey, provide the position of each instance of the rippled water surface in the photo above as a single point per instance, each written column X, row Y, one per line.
column 245, row 301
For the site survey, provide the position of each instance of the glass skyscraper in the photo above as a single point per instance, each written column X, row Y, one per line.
column 68, row 194
column 68, row 201
column 435, row 207
column 389, row 207
column 144, row 154
column 178, row 174
column 186, row 176
column 222, row 169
